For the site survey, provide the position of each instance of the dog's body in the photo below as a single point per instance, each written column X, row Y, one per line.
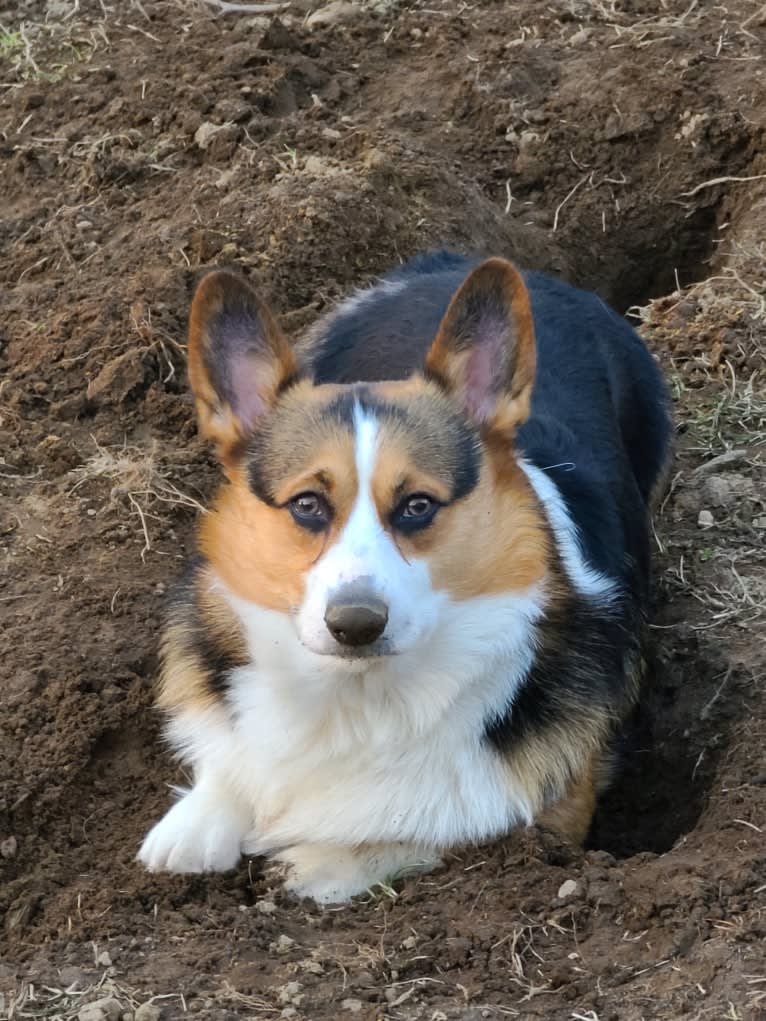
column 416, row 616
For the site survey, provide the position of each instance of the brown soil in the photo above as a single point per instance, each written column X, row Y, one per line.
column 577, row 135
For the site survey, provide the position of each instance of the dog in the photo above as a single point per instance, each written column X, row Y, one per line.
column 416, row 615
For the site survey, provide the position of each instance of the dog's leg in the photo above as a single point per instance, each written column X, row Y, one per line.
column 572, row 815
column 333, row 874
column 202, row 832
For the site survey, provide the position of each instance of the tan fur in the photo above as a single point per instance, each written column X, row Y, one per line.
column 258, row 551
column 572, row 815
column 662, row 483
column 186, row 677
column 494, row 540
column 567, row 758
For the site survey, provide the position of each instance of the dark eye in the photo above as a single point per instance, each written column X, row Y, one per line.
column 310, row 510
column 414, row 512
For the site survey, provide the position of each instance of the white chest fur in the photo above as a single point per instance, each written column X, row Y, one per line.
column 321, row 750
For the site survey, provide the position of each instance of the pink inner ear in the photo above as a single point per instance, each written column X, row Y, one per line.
column 248, row 400
column 486, row 369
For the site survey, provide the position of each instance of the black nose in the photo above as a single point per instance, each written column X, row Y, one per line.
column 354, row 618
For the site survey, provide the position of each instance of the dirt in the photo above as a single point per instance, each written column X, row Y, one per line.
column 143, row 142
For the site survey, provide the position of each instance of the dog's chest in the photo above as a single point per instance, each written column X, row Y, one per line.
column 358, row 767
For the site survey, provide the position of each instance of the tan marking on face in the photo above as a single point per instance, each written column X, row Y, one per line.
column 259, row 551
column 494, row 540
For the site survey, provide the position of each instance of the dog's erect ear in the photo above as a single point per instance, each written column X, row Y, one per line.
column 239, row 359
column 484, row 351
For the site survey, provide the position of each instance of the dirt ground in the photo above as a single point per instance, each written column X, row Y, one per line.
column 619, row 143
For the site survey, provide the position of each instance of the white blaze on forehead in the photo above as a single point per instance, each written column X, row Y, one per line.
column 366, row 430
column 365, row 549
column 355, row 552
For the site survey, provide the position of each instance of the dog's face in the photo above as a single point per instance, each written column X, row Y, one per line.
column 361, row 511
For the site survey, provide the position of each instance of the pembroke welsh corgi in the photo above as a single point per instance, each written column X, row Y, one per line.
column 415, row 619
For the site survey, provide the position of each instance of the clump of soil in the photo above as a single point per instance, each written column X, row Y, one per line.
column 618, row 145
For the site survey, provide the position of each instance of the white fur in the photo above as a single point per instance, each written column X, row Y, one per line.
column 330, row 874
column 586, row 579
column 202, row 832
column 351, row 771
column 319, row 752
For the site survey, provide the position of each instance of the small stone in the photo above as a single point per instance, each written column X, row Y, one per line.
column 78, row 978
column 148, row 1012
column 353, row 1006
column 759, row 522
column 312, row 967
column 206, row 132
column 289, row 1013
column 726, row 490
column 105, row 1009
column 9, row 847
column 104, row 959
column 291, row 993
column 410, row 943
column 319, row 167
column 333, row 13
column 604, row 894
column 567, row 889
column 705, row 519
column 283, row 944
column 265, row 907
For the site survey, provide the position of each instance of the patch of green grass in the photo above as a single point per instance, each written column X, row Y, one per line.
column 48, row 51
column 11, row 43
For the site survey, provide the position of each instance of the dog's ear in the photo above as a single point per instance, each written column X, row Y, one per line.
column 239, row 360
column 484, row 351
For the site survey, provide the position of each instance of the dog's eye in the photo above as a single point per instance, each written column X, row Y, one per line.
column 310, row 510
column 417, row 506
column 414, row 512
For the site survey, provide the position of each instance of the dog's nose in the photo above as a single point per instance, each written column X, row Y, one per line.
column 355, row 617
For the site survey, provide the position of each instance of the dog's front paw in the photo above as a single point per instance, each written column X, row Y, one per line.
column 198, row 834
column 333, row 875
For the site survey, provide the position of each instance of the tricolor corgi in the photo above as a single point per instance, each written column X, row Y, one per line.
column 415, row 619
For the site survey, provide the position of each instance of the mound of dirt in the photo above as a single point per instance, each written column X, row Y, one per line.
column 619, row 145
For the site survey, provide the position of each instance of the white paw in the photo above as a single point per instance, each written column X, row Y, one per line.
column 198, row 834
column 333, row 875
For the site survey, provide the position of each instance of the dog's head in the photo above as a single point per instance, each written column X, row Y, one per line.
column 363, row 510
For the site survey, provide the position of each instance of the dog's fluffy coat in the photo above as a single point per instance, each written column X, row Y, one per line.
column 475, row 451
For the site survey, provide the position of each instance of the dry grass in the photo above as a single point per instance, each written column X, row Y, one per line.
column 64, row 1004
column 678, row 18
column 140, row 481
